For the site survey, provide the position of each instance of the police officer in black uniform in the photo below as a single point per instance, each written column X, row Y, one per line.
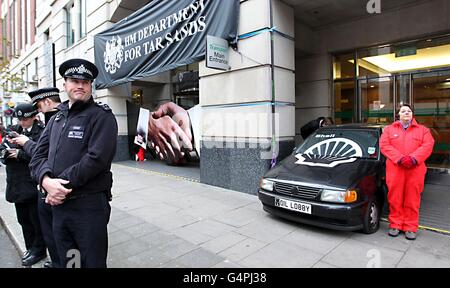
column 46, row 100
column 72, row 164
column 21, row 189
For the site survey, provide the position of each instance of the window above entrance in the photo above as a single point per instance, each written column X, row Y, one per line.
column 417, row 73
column 392, row 59
column 409, row 58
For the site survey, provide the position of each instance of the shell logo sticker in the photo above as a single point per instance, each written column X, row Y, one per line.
column 330, row 153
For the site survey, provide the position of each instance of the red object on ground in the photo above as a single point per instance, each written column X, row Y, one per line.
column 141, row 154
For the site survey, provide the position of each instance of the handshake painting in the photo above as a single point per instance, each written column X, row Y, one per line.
column 170, row 132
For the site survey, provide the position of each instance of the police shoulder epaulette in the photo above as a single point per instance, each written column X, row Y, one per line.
column 104, row 106
column 57, row 116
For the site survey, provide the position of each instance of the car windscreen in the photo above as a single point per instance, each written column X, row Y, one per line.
column 342, row 143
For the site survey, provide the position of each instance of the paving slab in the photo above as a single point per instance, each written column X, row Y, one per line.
column 242, row 249
column 281, row 254
column 162, row 221
column 266, row 229
column 357, row 254
column 416, row 258
column 223, row 242
column 318, row 240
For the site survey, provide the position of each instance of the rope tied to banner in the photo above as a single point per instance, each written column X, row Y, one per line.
column 264, row 30
column 249, row 35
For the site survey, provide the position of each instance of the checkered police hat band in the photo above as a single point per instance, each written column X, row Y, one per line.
column 27, row 114
column 44, row 95
column 79, row 70
column 75, row 76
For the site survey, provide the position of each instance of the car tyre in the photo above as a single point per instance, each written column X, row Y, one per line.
column 372, row 217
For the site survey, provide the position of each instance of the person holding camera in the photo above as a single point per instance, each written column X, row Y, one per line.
column 20, row 187
column 46, row 100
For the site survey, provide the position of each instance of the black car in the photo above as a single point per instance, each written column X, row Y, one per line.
column 334, row 179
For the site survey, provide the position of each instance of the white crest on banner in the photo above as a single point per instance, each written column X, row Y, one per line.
column 113, row 55
column 330, row 152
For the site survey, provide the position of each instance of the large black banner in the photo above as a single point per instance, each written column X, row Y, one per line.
column 161, row 36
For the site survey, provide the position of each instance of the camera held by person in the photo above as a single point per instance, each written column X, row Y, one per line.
column 9, row 147
column 13, row 134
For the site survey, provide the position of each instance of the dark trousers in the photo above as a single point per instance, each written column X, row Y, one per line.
column 27, row 215
column 80, row 231
column 46, row 219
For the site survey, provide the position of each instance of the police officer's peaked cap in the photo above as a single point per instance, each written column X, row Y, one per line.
column 40, row 94
column 25, row 110
column 78, row 69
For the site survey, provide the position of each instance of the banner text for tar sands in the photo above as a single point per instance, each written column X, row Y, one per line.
column 189, row 29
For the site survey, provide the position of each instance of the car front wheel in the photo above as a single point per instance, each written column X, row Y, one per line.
column 372, row 217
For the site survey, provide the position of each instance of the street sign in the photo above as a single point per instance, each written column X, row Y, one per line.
column 217, row 53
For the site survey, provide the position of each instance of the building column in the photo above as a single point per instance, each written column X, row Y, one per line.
column 116, row 98
column 248, row 118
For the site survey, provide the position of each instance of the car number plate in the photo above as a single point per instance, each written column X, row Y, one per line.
column 293, row 205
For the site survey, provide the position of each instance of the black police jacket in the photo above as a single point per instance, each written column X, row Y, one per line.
column 78, row 145
column 30, row 146
column 20, row 187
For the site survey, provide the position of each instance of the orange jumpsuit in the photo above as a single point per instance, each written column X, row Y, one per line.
column 405, row 185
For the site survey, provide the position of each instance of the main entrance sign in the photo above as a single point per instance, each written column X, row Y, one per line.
column 216, row 53
column 161, row 36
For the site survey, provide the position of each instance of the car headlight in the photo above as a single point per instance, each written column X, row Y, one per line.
column 339, row 196
column 266, row 184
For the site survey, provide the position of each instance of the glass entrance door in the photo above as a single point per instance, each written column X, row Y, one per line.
column 427, row 92
column 377, row 100
column 345, row 104
column 431, row 100
column 402, row 90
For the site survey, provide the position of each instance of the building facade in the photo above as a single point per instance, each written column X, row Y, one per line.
column 18, row 53
column 295, row 60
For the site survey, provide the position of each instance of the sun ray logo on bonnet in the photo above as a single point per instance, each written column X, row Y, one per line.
column 330, row 153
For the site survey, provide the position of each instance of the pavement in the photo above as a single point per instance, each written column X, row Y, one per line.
column 162, row 220
column 9, row 257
